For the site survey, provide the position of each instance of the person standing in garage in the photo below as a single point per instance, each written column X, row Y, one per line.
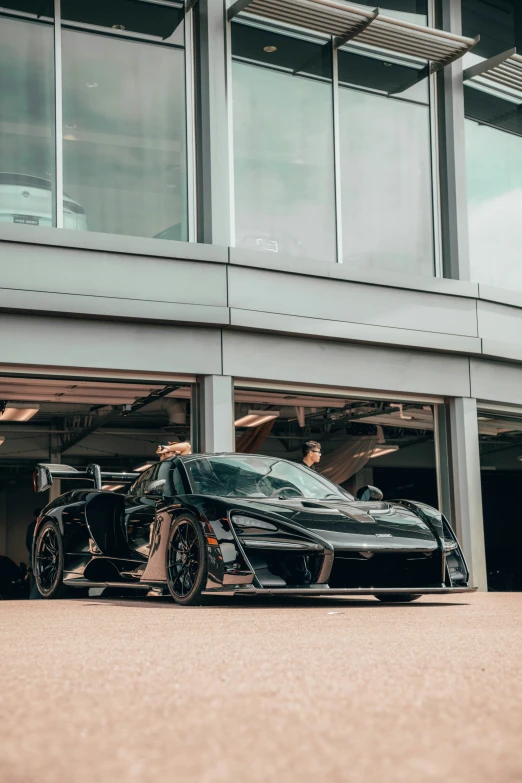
column 311, row 454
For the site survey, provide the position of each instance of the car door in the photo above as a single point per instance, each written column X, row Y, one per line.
column 140, row 510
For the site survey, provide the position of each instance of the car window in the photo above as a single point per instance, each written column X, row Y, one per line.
column 141, row 483
column 258, row 477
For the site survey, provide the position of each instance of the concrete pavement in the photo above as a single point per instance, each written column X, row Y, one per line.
column 108, row 690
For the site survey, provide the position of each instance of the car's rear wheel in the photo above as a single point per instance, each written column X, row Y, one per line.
column 398, row 598
column 48, row 561
column 187, row 562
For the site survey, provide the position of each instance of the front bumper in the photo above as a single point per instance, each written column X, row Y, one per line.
column 327, row 591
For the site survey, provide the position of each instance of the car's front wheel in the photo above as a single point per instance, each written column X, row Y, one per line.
column 187, row 561
column 48, row 561
column 398, row 598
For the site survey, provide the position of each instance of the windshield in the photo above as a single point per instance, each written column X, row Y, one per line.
column 258, row 477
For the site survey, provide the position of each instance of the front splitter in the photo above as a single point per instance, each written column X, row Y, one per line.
column 327, row 591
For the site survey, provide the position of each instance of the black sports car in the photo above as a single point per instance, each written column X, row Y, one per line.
column 209, row 524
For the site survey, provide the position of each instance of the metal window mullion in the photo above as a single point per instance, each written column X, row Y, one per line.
column 58, row 116
column 190, row 119
column 337, row 155
column 230, row 115
column 435, row 162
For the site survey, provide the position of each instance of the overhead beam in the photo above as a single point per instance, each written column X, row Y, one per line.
column 236, row 8
column 487, row 65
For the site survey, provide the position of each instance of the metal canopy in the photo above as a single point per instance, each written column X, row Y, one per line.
column 345, row 23
column 501, row 71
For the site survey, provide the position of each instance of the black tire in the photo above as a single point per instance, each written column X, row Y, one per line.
column 187, row 561
column 48, row 561
column 398, row 598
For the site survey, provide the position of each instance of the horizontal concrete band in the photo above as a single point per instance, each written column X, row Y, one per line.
column 84, row 275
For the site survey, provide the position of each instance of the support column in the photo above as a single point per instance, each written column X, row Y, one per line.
column 214, row 219
column 452, row 145
column 441, row 415
column 55, row 458
column 466, row 486
column 216, row 414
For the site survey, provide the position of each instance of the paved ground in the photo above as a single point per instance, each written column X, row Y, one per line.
column 100, row 690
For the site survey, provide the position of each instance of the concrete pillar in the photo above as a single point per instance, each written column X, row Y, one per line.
column 55, row 458
column 441, row 422
column 216, row 414
column 466, row 486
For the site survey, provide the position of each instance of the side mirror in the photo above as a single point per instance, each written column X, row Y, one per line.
column 156, row 488
column 369, row 493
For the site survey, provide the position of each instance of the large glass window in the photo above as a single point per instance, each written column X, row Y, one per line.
column 386, row 183
column 287, row 196
column 283, row 144
column 124, row 135
column 124, row 120
column 385, row 155
column 121, row 66
column 494, row 148
column 26, row 119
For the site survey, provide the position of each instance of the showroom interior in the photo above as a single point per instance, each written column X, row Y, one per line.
column 249, row 224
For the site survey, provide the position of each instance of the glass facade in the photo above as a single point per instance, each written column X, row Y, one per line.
column 283, row 145
column 493, row 148
column 299, row 107
column 27, row 121
column 386, row 183
column 122, row 146
column 333, row 150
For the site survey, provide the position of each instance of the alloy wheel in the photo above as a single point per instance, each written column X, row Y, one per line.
column 47, row 559
column 184, row 559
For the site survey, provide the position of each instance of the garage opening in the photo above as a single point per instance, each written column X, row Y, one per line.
column 386, row 443
column 116, row 424
column 500, row 443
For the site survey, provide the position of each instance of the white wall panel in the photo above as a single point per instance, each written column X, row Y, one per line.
column 62, row 342
column 94, row 273
column 250, row 355
column 496, row 381
column 275, row 292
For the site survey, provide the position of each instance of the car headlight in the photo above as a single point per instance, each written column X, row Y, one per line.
column 450, row 545
column 251, row 522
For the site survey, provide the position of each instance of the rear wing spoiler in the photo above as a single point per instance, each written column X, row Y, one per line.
column 44, row 474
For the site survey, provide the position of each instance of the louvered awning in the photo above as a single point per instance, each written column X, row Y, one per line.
column 503, row 71
column 346, row 22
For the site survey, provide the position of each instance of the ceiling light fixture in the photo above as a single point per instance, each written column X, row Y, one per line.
column 255, row 418
column 118, row 27
column 16, row 412
column 380, row 451
column 91, row 85
column 143, row 467
column 270, row 49
column 1, row 441
column 113, row 487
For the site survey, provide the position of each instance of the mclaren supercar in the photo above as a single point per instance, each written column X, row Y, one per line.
column 206, row 524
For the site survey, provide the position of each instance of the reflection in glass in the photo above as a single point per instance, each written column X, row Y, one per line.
column 494, row 179
column 386, row 183
column 283, row 162
column 124, row 134
column 26, row 123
